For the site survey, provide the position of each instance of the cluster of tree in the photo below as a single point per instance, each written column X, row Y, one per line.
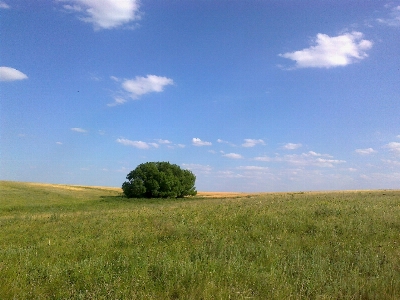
column 159, row 180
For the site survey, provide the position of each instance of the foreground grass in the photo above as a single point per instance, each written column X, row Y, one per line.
column 59, row 242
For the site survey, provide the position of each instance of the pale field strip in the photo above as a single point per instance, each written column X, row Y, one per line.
column 74, row 187
column 208, row 194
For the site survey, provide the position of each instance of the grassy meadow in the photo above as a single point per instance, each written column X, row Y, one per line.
column 71, row 242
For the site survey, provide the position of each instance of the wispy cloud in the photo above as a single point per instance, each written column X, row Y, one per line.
column 161, row 141
column 329, row 52
column 263, row 158
column 80, row 130
column 251, row 143
column 4, row 5
column 391, row 162
column 198, row 142
column 291, row 146
column 11, row 74
column 253, row 168
column 393, row 19
column 104, row 14
column 139, row 86
column 197, row 168
column 137, row 144
column 225, row 142
column 365, row 151
column 311, row 158
column 233, row 155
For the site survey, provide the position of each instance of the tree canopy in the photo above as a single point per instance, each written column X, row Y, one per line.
column 159, row 180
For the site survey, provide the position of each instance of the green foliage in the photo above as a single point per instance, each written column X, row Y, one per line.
column 159, row 180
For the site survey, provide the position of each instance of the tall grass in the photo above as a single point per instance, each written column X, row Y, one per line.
column 92, row 243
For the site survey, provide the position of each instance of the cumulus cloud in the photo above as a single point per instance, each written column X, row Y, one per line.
column 4, row 5
column 104, row 14
column 393, row 147
column 198, row 142
column 291, row 146
column 251, row 143
column 137, row 144
column 80, row 130
column 393, row 19
column 365, row 151
column 11, row 74
column 144, row 85
column 139, row 86
column 329, row 52
column 233, row 155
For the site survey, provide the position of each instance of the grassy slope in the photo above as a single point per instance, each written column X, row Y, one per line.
column 90, row 243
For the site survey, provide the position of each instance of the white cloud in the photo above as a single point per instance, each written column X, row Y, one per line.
column 104, row 14
column 137, row 144
column 225, row 142
column 161, row 141
column 77, row 129
column 118, row 101
column 197, row 168
column 251, row 143
column 393, row 147
column 263, row 158
column 139, row 86
column 330, row 52
column 291, row 146
column 311, row 158
column 76, row 8
column 233, row 155
column 393, row 19
column 11, row 74
column 198, row 142
column 58, row 143
column 155, row 145
column 365, row 151
column 252, row 168
column 391, row 162
column 229, row 174
column 4, row 5
column 144, row 85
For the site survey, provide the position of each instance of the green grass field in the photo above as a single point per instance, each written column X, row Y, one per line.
column 61, row 242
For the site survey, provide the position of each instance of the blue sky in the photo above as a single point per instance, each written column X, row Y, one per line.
column 249, row 95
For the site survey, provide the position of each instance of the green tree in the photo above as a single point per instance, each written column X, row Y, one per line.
column 159, row 180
